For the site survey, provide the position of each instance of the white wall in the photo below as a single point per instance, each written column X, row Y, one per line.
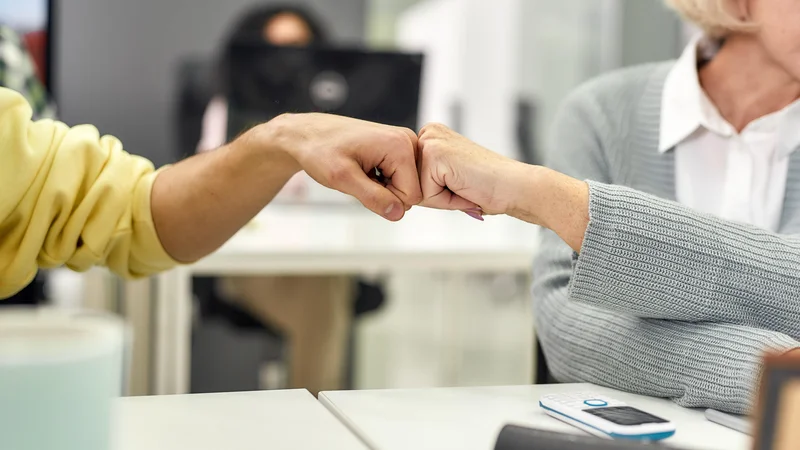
column 491, row 73
column 381, row 26
column 564, row 44
column 472, row 54
column 434, row 27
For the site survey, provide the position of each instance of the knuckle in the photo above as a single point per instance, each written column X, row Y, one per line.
column 409, row 135
column 433, row 132
column 434, row 128
column 398, row 140
column 434, row 125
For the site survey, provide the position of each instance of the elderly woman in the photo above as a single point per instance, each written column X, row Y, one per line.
column 688, row 237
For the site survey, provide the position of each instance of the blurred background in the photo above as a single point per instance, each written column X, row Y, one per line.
column 316, row 293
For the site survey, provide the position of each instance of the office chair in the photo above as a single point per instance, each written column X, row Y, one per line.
column 525, row 128
column 542, row 375
column 31, row 295
column 525, row 134
column 196, row 86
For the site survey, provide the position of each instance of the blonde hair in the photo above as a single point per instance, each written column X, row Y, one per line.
column 715, row 17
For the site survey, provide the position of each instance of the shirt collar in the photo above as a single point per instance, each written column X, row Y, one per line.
column 684, row 105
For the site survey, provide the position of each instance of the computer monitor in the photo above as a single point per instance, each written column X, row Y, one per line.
column 265, row 81
column 33, row 20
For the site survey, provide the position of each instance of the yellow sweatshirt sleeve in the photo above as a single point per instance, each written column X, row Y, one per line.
column 69, row 196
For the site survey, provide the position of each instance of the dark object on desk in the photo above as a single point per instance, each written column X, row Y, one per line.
column 266, row 81
column 513, row 437
column 779, row 404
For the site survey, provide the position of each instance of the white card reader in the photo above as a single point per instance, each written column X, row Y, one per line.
column 606, row 417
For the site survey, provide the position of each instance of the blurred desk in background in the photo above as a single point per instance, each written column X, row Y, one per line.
column 340, row 239
column 238, row 421
column 335, row 239
column 472, row 417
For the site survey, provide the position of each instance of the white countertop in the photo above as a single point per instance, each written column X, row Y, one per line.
column 471, row 418
column 347, row 238
column 273, row 420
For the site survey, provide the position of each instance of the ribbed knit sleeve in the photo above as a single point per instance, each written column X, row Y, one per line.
column 609, row 316
column 653, row 258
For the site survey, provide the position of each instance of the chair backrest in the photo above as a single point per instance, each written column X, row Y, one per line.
column 542, row 375
column 33, row 294
column 195, row 82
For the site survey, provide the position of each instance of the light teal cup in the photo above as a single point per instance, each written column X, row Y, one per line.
column 60, row 374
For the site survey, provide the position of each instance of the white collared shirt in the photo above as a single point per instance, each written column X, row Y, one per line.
column 735, row 176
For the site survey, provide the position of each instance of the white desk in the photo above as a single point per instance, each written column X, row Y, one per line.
column 297, row 240
column 471, row 418
column 272, row 420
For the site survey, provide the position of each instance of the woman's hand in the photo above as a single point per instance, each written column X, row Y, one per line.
column 457, row 174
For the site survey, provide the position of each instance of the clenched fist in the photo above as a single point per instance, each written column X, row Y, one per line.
column 457, row 174
column 342, row 153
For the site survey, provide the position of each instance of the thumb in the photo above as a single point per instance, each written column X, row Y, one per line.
column 376, row 198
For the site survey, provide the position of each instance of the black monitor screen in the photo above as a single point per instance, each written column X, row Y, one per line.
column 31, row 19
column 266, row 81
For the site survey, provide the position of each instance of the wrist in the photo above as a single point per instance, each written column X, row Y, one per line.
column 522, row 186
column 276, row 142
column 554, row 201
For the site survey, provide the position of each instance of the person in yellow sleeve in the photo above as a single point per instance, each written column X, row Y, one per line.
column 71, row 197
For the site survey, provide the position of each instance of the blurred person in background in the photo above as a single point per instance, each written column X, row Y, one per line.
column 313, row 312
column 18, row 72
column 677, row 266
column 275, row 25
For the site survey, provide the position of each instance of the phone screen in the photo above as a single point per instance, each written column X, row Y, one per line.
column 625, row 415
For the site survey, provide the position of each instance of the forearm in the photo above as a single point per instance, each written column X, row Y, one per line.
column 199, row 203
column 662, row 260
column 548, row 198
column 669, row 261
